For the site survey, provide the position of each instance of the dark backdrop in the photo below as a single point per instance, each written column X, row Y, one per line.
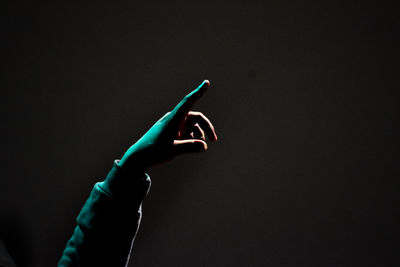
column 302, row 96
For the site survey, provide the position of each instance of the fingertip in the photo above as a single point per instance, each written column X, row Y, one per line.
column 200, row 90
column 202, row 145
column 205, row 84
column 205, row 146
column 213, row 135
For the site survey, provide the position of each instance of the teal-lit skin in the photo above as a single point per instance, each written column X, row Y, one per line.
column 108, row 222
column 168, row 137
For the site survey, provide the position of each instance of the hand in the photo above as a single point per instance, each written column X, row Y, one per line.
column 177, row 132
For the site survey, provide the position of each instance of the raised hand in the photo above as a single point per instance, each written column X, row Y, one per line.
column 177, row 132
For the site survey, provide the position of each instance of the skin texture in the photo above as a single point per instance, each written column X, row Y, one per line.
column 177, row 132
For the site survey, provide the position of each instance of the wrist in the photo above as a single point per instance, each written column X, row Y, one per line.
column 134, row 160
column 131, row 165
column 120, row 180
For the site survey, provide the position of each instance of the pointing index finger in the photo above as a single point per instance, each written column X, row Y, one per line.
column 187, row 102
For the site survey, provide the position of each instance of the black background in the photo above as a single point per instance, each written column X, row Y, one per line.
column 303, row 98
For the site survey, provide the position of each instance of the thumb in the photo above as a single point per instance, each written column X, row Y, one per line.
column 189, row 146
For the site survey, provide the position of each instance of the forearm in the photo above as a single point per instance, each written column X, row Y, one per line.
column 109, row 220
column 107, row 223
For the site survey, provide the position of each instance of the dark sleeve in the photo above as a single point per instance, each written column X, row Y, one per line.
column 108, row 222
